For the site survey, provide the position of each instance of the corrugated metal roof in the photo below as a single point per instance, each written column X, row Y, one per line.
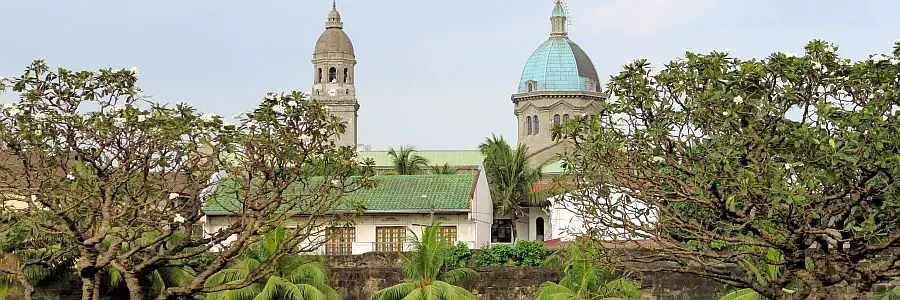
column 454, row 158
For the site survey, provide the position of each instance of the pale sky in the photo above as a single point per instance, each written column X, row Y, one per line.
column 431, row 74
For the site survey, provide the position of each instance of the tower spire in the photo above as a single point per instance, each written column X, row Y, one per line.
column 334, row 17
column 558, row 20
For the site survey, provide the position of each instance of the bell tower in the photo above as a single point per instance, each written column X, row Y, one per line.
column 333, row 75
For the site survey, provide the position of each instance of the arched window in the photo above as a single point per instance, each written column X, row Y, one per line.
column 320, row 76
column 332, row 75
column 539, row 229
column 317, row 92
column 537, row 125
column 565, row 118
column 530, row 86
column 528, row 122
column 345, row 75
column 348, row 91
column 556, row 120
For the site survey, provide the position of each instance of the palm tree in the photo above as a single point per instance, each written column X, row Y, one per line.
column 584, row 278
column 406, row 161
column 426, row 274
column 446, row 169
column 296, row 277
column 509, row 177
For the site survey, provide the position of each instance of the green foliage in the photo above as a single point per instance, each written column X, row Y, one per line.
column 294, row 276
column 458, row 256
column 742, row 294
column 587, row 275
column 522, row 253
column 446, row 169
column 894, row 294
column 774, row 165
column 495, row 255
column 427, row 274
column 406, row 161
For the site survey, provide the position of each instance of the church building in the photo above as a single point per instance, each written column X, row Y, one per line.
column 558, row 82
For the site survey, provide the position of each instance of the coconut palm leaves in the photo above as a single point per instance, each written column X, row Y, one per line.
column 584, row 278
column 445, row 169
column 407, row 162
column 426, row 275
column 509, row 177
column 295, row 276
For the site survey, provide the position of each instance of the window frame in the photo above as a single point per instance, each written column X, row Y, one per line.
column 344, row 247
column 386, row 241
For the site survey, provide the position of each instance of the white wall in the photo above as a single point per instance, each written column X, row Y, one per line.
column 466, row 231
column 482, row 214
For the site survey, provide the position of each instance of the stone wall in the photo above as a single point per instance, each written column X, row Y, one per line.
column 358, row 277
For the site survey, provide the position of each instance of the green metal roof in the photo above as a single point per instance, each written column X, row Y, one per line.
column 454, row 158
column 392, row 193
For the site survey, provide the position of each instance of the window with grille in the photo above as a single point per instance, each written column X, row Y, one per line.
column 556, row 120
column 389, row 239
column 448, row 234
column 340, row 241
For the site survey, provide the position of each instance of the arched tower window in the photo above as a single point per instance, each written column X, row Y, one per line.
column 537, row 125
column 528, row 124
column 556, row 120
column 332, row 75
column 320, row 76
column 565, row 118
column 530, row 86
column 346, row 73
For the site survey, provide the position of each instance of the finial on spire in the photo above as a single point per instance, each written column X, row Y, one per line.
column 334, row 17
column 558, row 19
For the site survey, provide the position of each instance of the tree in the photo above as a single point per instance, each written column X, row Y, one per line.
column 426, row 274
column 406, row 161
column 296, row 276
column 124, row 182
column 446, row 169
column 588, row 273
column 775, row 174
column 509, row 177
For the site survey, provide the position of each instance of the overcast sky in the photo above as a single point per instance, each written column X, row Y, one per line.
column 432, row 74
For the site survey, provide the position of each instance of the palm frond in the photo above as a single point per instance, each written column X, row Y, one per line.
column 277, row 288
column 396, row 292
column 460, row 276
column 443, row 290
column 247, row 293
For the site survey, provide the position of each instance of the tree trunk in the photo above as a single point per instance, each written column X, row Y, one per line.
column 87, row 289
column 27, row 288
column 97, row 287
column 140, row 287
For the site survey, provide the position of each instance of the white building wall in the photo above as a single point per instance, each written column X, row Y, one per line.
column 482, row 214
column 365, row 229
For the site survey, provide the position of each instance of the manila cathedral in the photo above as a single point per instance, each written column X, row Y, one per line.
column 557, row 83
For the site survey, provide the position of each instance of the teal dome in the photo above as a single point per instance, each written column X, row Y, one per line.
column 559, row 65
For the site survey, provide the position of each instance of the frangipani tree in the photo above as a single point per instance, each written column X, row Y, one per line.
column 124, row 180
column 777, row 174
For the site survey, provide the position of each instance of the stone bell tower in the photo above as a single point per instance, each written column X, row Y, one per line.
column 333, row 75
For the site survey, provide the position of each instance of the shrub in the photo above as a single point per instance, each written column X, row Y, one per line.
column 458, row 256
column 522, row 253
column 530, row 253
